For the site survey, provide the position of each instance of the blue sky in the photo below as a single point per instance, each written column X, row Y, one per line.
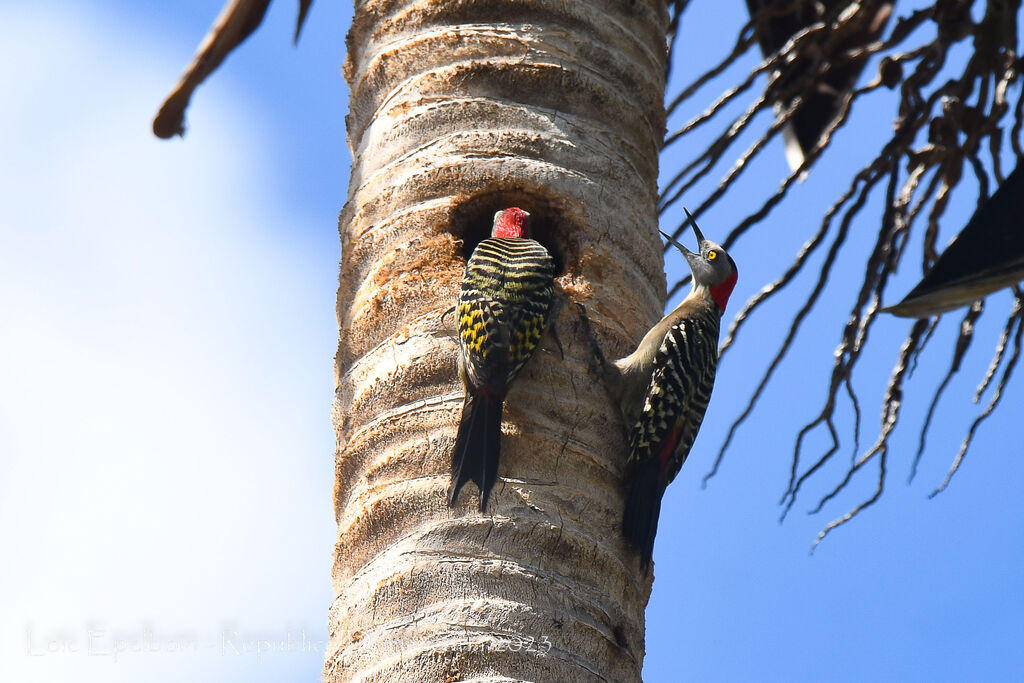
column 166, row 373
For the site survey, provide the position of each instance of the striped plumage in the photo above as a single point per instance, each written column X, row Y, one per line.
column 684, row 374
column 503, row 311
column 673, row 408
column 664, row 386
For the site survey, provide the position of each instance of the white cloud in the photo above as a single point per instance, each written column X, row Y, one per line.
column 164, row 388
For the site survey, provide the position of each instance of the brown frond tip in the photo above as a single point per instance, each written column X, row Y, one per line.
column 954, row 121
column 963, row 342
column 1007, row 374
column 236, row 22
column 891, row 405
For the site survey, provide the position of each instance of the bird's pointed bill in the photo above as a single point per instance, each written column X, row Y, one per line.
column 696, row 230
column 675, row 243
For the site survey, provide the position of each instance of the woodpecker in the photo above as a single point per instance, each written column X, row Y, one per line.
column 663, row 388
column 503, row 309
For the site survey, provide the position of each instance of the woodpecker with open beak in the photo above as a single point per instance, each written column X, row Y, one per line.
column 663, row 387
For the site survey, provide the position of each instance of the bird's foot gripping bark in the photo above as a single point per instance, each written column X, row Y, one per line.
column 595, row 359
column 448, row 313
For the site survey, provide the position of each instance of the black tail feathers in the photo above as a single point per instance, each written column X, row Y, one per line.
column 643, row 507
column 477, row 447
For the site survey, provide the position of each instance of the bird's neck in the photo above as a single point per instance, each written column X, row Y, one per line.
column 700, row 303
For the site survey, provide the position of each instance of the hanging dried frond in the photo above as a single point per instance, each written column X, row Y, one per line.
column 236, row 22
column 943, row 126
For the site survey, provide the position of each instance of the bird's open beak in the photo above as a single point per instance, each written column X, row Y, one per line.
column 700, row 237
column 696, row 231
column 692, row 259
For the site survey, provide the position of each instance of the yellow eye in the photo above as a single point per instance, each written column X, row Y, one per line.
column 712, row 255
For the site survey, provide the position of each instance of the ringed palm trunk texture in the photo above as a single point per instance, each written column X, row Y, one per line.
column 460, row 108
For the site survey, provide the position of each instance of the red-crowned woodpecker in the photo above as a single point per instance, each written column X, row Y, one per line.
column 503, row 310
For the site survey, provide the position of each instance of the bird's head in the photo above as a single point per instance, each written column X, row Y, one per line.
column 511, row 222
column 711, row 265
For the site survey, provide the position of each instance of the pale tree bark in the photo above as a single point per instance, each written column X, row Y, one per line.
column 459, row 109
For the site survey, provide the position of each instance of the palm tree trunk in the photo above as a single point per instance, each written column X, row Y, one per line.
column 460, row 108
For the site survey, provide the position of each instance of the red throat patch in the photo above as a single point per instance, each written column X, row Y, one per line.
column 514, row 222
column 722, row 292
